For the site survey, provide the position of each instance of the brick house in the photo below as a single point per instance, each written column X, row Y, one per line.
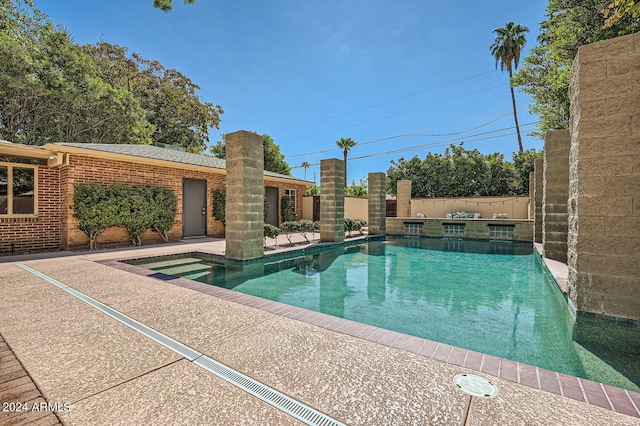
column 37, row 187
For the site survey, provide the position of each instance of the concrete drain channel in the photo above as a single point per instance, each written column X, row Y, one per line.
column 276, row 399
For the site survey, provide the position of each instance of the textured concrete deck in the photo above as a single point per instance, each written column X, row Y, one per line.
column 357, row 374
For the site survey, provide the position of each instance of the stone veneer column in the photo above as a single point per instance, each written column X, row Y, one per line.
column 538, row 167
column 555, row 195
column 604, row 187
column 332, row 200
column 245, row 196
column 531, row 213
column 404, row 198
column 377, row 204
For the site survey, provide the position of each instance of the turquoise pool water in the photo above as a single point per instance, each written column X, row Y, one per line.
column 491, row 297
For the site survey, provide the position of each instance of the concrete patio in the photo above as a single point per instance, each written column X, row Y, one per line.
column 356, row 374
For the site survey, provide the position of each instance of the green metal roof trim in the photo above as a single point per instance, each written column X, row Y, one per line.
column 166, row 154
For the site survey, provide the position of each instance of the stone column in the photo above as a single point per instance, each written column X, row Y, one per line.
column 245, row 196
column 604, row 187
column 332, row 200
column 531, row 212
column 377, row 204
column 555, row 195
column 538, row 167
column 404, row 198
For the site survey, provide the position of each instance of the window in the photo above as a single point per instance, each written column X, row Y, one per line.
column 501, row 230
column 291, row 193
column 412, row 228
column 453, row 228
column 18, row 185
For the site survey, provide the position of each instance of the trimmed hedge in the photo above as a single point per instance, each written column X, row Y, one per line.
column 137, row 209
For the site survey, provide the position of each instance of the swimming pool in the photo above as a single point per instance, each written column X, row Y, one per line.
column 491, row 297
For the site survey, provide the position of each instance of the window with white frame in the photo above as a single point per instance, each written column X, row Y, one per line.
column 18, row 187
column 291, row 193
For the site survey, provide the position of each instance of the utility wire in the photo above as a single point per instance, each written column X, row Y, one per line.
column 408, row 134
column 375, row 105
column 469, row 138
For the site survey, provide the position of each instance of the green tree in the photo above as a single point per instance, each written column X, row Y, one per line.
column 357, row 189
column 544, row 74
column 523, row 163
column 618, row 9
column 305, row 165
column 273, row 159
column 50, row 91
column 169, row 98
column 167, row 5
column 456, row 173
column 506, row 50
column 346, row 144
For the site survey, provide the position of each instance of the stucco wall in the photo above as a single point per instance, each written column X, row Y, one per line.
column 514, row 207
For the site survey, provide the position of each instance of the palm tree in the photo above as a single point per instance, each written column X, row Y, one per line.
column 346, row 144
column 305, row 165
column 506, row 50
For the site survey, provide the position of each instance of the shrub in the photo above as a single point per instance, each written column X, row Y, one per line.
column 354, row 225
column 306, row 226
column 163, row 210
column 98, row 208
column 271, row 231
column 287, row 209
column 289, row 228
column 219, row 204
column 95, row 209
column 134, row 211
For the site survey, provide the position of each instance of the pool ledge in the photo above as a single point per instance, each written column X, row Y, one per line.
column 593, row 393
column 559, row 270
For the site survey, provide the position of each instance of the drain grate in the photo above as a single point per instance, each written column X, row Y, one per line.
column 152, row 334
column 283, row 402
column 269, row 395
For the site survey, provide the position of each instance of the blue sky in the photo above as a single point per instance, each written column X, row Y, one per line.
column 401, row 77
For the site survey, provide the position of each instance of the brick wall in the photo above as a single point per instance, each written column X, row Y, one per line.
column 282, row 186
column 85, row 169
column 38, row 233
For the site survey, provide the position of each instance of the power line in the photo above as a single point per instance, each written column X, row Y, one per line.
column 409, row 134
column 470, row 138
column 376, row 105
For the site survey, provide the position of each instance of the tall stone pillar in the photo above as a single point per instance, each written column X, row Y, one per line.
column 604, row 187
column 245, row 196
column 332, row 200
column 531, row 212
column 538, row 167
column 377, row 204
column 555, row 195
column 404, row 198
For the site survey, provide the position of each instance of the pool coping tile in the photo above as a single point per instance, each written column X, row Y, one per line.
column 593, row 393
column 528, row 375
column 571, row 387
column 549, row 381
column 621, row 400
